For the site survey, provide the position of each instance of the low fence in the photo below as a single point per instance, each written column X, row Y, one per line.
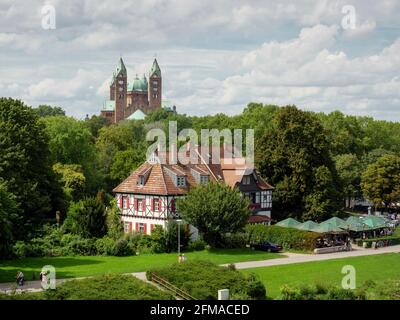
column 331, row 249
column 165, row 284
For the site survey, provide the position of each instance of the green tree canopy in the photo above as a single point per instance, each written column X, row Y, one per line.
column 293, row 154
column 71, row 143
column 25, row 165
column 49, row 111
column 381, row 181
column 72, row 178
column 9, row 215
column 214, row 209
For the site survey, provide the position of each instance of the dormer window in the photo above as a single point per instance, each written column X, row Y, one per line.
column 203, row 179
column 246, row 180
column 180, row 181
column 141, row 180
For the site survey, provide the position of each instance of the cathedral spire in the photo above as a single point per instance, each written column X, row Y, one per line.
column 155, row 69
column 120, row 67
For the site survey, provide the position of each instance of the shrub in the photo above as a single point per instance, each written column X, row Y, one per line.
column 80, row 246
column 389, row 240
column 203, row 279
column 105, row 246
column 320, row 292
column 197, row 245
column 171, row 236
column 105, row 287
column 124, row 248
column 234, row 240
column 87, row 218
column 289, row 238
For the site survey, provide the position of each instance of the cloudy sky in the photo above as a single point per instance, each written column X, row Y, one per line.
column 215, row 55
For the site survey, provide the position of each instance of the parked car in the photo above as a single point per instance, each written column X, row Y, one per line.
column 266, row 246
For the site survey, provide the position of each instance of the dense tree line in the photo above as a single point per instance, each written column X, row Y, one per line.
column 316, row 162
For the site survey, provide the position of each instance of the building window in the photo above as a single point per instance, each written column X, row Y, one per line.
column 180, row 181
column 203, row 179
column 141, row 180
column 266, row 199
column 125, row 202
column 156, row 204
column 127, row 228
column 155, row 82
column 141, row 228
column 246, row 180
column 140, row 204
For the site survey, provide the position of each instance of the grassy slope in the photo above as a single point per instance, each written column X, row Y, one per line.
column 81, row 266
column 376, row 267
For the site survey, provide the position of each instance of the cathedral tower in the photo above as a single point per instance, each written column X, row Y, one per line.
column 155, row 86
column 118, row 91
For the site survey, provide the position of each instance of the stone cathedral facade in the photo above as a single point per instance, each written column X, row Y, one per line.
column 134, row 98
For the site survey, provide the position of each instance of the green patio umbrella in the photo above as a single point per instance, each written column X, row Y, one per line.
column 337, row 222
column 357, row 226
column 308, row 226
column 327, row 227
column 374, row 222
column 288, row 223
column 354, row 219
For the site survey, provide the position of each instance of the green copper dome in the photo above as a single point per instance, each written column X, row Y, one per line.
column 138, row 84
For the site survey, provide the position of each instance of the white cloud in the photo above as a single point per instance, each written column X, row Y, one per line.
column 215, row 56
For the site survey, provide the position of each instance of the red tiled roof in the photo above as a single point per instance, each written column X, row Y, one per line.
column 160, row 182
column 258, row 219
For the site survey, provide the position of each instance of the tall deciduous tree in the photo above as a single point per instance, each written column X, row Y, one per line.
column 381, row 181
column 290, row 155
column 71, row 143
column 214, row 209
column 8, row 216
column 25, row 165
column 349, row 170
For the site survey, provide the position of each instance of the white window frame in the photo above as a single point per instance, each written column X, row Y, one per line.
column 156, row 205
column 203, row 179
column 180, row 181
column 126, row 227
column 140, row 204
column 141, row 227
column 246, row 180
column 125, row 200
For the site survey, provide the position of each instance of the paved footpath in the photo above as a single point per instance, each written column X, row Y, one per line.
column 34, row 286
column 298, row 258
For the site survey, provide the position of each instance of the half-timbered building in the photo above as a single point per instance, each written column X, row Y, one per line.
column 148, row 196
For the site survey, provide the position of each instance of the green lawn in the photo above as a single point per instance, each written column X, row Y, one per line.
column 82, row 266
column 376, row 267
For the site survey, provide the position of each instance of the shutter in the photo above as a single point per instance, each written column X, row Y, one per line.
column 144, row 205
column 152, row 204
column 159, row 204
column 151, row 227
column 136, row 204
column 130, row 227
column 137, row 227
column 127, row 202
column 120, row 201
column 145, row 229
column 173, row 205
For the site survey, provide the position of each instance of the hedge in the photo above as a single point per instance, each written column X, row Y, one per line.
column 392, row 240
column 289, row 238
column 203, row 279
